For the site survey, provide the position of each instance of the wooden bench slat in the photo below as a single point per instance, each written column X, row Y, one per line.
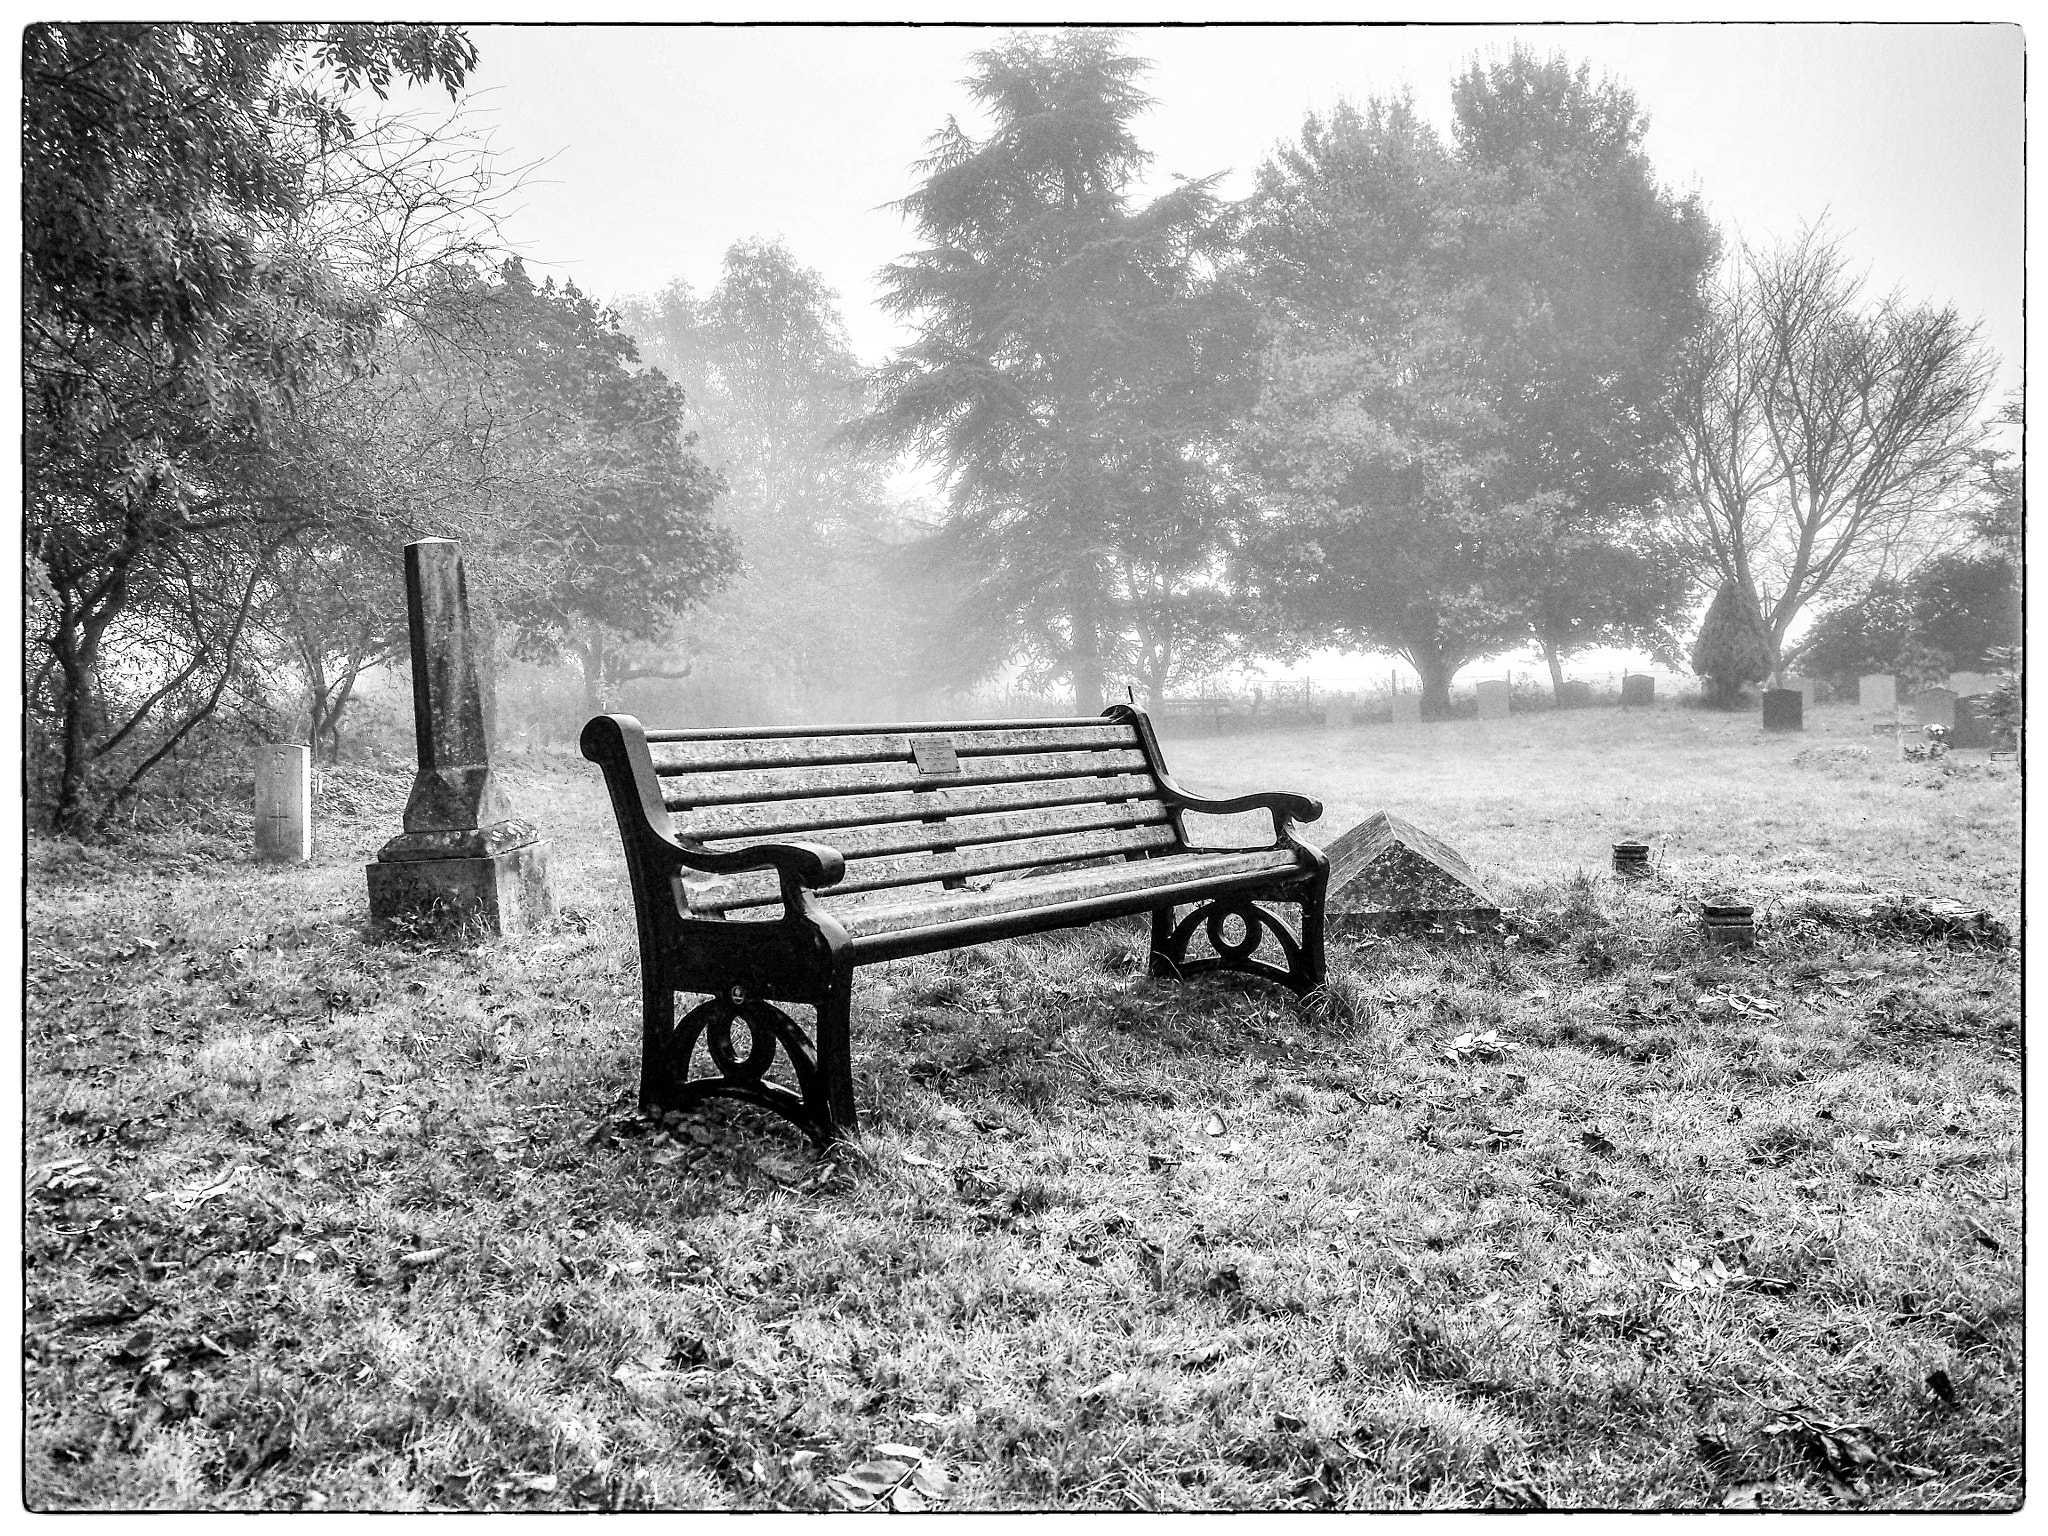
column 761, row 888
column 963, row 831
column 878, row 747
column 792, row 817
column 1070, row 885
column 863, row 728
column 748, row 786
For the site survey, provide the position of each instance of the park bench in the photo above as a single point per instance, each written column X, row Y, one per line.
column 766, row 865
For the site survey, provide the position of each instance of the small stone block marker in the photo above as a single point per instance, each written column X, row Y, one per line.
column 1407, row 709
column 1493, row 698
column 463, row 855
column 1880, row 690
column 1389, row 873
column 1638, row 688
column 1935, row 706
column 284, row 804
column 1784, row 709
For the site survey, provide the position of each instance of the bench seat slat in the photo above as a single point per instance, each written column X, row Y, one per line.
column 883, row 917
column 962, row 831
column 729, row 893
column 751, row 786
column 878, row 747
column 822, row 815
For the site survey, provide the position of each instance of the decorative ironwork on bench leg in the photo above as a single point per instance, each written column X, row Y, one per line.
column 666, row 1080
column 1236, row 926
column 1163, row 964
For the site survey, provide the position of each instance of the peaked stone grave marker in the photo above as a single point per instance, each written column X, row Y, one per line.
column 1386, row 872
column 463, row 855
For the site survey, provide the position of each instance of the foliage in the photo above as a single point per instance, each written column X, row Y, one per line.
column 1460, row 439
column 1826, row 439
column 1074, row 365
column 1855, row 639
column 1730, row 650
column 2006, row 703
column 179, row 309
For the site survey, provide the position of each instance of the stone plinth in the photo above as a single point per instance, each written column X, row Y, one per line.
column 1880, row 690
column 1784, row 709
column 463, row 856
column 1407, row 709
column 1638, row 688
column 1935, row 706
column 1493, row 698
column 1387, row 872
column 284, row 804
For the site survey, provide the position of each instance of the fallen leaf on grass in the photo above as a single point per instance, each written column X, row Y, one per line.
column 1744, row 1495
column 1938, row 1382
column 918, row 1162
column 1216, row 1125
column 421, row 1257
column 1107, row 1387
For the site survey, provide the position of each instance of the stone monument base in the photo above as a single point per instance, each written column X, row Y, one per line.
column 1387, row 873
column 503, row 892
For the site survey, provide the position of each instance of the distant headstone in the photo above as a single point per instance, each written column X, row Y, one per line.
column 1574, row 694
column 1935, row 706
column 284, row 804
column 1880, row 690
column 1784, row 709
column 463, row 855
column 1803, row 686
column 1974, row 725
column 1337, row 712
column 1638, row 688
column 1966, row 684
column 1407, row 709
column 1493, row 698
column 1387, row 873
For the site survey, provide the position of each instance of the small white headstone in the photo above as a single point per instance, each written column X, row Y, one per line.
column 1493, row 698
column 1936, row 706
column 1803, row 686
column 1965, row 684
column 1880, row 690
column 1407, row 709
column 284, row 804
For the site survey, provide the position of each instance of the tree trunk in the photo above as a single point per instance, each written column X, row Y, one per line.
column 1435, row 671
column 1085, row 664
column 590, row 656
column 1556, row 674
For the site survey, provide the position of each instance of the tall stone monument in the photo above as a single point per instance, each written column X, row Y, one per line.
column 463, row 856
column 284, row 804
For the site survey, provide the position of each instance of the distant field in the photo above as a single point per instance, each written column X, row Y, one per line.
column 1593, row 1219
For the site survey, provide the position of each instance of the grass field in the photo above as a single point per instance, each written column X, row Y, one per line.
column 1590, row 1218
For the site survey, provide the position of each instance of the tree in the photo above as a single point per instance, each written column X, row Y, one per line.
column 172, row 323
column 1730, row 649
column 1588, row 283
column 1461, row 432
column 1073, row 361
column 1825, row 439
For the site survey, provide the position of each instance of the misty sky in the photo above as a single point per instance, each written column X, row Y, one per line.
column 670, row 143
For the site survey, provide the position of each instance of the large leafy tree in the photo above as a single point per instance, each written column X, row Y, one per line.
column 1459, row 439
column 1073, row 363
column 174, row 319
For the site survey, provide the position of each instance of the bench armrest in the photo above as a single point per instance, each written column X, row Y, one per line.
column 808, row 864
column 1286, row 807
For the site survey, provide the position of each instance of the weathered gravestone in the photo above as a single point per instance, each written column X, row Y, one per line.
column 1493, row 698
column 1574, row 694
column 1638, row 688
column 1337, row 712
column 463, row 855
column 1784, row 709
column 1407, row 709
column 1880, row 690
column 1388, row 873
column 1966, row 684
column 284, row 803
column 1975, row 726
column 1935, row 706
column 1803, row 686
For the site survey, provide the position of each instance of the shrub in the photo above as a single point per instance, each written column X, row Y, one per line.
column 1730, row 649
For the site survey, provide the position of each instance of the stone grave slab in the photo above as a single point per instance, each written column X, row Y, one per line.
column 284, row 803
column 1386, row 872
column 1407, row 709
column 1974, row 726
column 1935, row 706
column 1638, row 688
column 1493, row 698
column 1784, row 709
column 1880, row 690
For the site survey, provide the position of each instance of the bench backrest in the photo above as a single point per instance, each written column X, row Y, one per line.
column 927, row 804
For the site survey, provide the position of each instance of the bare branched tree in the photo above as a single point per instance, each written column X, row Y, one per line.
column 1825, row 439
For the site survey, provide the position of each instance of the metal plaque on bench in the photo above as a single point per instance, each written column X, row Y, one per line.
column 935, row 754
